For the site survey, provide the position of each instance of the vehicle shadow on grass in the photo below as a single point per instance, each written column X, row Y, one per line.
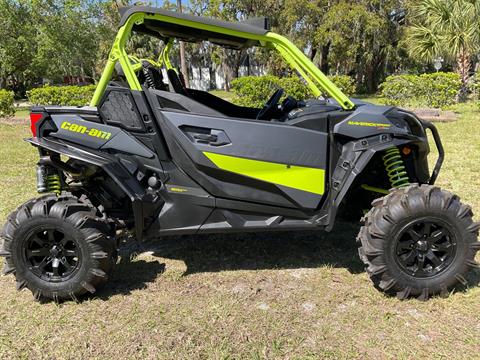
column 243, row 251
column 130, row 274
column 263, row 250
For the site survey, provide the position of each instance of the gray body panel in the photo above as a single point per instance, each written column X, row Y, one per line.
column 113, row 138
column 257, row 140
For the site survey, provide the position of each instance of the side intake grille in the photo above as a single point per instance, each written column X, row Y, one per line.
column 119, row 109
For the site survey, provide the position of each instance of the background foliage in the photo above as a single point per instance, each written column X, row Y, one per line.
column 61, row 95
column 253, row 91
column 436, row 90
column 6, row 103
column 67, row 42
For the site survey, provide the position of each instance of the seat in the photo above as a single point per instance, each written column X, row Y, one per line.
column 178, row 82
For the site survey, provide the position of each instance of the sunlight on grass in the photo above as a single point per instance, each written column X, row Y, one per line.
column 223, row 94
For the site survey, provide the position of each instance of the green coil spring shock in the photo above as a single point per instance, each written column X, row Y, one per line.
column 54, row 184
column 395, row 168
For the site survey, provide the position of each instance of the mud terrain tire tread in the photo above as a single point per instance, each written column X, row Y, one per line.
column 379, row 226
column 95, row 234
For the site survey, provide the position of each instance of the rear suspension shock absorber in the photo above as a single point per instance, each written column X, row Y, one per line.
column 48, row 180
column 395, row 167
column 148, row 78
column 54, row 184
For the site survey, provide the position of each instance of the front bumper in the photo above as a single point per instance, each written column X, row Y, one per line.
column 441, row 152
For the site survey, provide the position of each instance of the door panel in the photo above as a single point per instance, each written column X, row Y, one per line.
column 257, row 161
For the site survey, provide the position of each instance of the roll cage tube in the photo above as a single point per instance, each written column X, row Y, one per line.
column 291, row 61
column 165, row 53
column 289, row 52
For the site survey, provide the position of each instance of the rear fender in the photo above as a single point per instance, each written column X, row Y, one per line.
column 111, row 165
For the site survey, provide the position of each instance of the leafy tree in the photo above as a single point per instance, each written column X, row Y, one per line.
column 17, row 45
column 49, row 39
column 446, row 28
column 68, row 37
column 360, row 39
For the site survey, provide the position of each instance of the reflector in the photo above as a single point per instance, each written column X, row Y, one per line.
column 34, row 118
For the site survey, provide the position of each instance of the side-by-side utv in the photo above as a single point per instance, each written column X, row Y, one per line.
column 151, row 157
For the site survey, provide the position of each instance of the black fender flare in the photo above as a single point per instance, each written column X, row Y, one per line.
column 355, row 156
column 112, row 167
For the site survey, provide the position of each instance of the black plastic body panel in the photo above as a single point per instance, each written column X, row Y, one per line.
column 368, row 120
column 256, row 140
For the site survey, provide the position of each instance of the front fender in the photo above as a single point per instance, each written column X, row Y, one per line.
column 355, row 156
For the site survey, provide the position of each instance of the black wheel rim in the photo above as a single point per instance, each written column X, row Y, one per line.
column 52, row 255
column 425, row 248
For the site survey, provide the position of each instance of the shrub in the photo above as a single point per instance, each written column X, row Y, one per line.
column 474, row 85
column 6, row 103
column 399, row 90
column 440, row 89
column 432, row 90
column 254, row 91
column 345, row 83
column 61, row 95
column 295, row 87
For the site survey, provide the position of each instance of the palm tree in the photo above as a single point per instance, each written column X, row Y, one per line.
column 446, row 28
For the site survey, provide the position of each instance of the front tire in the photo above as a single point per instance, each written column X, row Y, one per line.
column 58, row 247
column 418, row 241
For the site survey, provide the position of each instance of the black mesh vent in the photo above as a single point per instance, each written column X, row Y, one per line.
column 119, row 109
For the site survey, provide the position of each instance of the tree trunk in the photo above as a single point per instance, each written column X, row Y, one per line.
column 370, row 79
column 183, row 61
column 238, row 62
column 324, row 65
column 463, row 68
column 226, row 77
column 313, row 53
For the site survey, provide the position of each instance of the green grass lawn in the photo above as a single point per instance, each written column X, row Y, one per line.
column 287, row 295
column 22, row 113
column 226, row 95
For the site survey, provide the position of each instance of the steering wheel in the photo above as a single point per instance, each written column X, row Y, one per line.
column 271, row 105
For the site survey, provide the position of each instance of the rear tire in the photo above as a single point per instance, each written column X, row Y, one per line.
column 58, row 247
column 418, row 241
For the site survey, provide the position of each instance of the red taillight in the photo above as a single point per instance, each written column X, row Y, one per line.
column 34, row 119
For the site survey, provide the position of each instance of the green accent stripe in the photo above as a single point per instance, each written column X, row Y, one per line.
column 296, row 177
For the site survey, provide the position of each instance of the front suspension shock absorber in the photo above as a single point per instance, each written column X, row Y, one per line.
column 395, row 168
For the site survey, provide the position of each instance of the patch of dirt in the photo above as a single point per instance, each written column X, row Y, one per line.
column 14, row 121
column 435, row 115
